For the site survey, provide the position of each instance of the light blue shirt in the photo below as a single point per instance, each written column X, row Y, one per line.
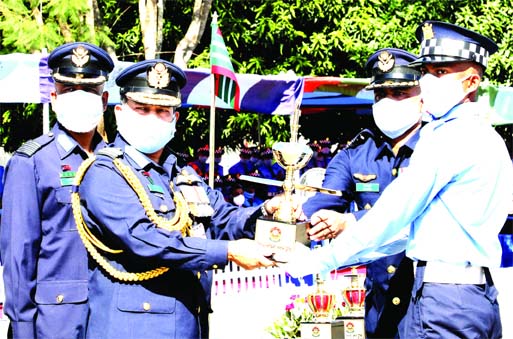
column 453, row 199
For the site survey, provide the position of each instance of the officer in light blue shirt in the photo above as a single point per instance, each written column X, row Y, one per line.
column 45, row 263
column 448, row 207
column 364, row 169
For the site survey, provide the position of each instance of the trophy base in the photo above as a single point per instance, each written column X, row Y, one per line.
column 280, row 237
column 340, row 328
column 323, row 330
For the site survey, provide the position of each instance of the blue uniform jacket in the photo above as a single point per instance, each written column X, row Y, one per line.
column 45, row 263
column 175, row 304
column 241, row 168
column 363, row 170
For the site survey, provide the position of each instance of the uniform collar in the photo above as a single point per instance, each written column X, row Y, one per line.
column 141, row 160
column 67, row 144
column 465, row 110
column 384, row 147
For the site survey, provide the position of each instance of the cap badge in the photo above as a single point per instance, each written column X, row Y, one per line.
column 80, row 56
column 427, row 30
column 386, row 61
column 158, row 76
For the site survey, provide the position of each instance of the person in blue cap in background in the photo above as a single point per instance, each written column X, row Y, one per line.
column 363, row 169
column 448, row 207
column 155, row 229
column 45, row 263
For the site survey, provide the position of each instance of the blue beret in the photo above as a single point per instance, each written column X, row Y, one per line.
column 443, row 42
column 389, row 68
column 153, row 82
column 80, row 63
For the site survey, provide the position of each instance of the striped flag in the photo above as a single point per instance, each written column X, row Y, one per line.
column 226, row 86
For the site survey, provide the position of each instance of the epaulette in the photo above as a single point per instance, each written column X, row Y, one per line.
column 360, row 139
column 180, row 159
column 30, row 147
column 111, row 152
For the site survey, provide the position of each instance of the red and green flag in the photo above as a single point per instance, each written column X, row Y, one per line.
column 226, row 86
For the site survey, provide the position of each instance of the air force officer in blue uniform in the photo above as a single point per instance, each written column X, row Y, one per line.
column 153, row 228
column 363, row 169
column 45, row 263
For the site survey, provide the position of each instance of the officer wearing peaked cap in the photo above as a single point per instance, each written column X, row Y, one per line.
column 453, row 241
column 45, row 263
column 158, row 228
column 363, row 169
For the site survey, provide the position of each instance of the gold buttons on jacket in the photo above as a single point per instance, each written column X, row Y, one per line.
column 396, row 301
column 146, row 306
column 391, row 269
column 215, row 267
column 164, row 208
column 60, row 298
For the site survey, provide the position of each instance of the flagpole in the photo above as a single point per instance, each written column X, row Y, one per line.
column 212, row 128
column 212, row 131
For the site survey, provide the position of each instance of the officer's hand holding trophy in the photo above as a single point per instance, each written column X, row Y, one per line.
column 327, row 224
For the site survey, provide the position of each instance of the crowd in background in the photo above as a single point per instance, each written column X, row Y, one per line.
column 253, row 161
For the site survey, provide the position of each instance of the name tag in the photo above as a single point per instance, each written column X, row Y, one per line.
column 367, row 187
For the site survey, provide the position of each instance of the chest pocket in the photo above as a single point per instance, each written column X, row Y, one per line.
column 134, row 298
column 63, row 195
column 61, row 292
column 63, row 214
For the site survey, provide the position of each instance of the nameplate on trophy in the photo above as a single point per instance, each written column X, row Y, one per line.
column 280, row 237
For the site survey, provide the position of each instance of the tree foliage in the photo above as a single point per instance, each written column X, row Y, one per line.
column 316, row 37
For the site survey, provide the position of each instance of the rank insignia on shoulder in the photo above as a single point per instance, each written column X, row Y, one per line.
column 364, row 177
column 187, row 178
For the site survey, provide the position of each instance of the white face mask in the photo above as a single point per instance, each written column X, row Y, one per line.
column 394, row 117
column 78, row 111
column 439, row 95
column 146, row 133
column 239, row 199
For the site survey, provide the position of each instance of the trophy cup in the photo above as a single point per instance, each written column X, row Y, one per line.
column 321, row 302
column 281, row 231
column 354, row 296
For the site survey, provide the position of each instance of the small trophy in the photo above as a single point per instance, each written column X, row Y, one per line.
column 354, row 296
column 322, row 302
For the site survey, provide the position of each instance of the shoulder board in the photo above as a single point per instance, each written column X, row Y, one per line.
column 180, row 160
column 30, row 147
column 360, row 138
column 188, row 176
column 111, row 152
